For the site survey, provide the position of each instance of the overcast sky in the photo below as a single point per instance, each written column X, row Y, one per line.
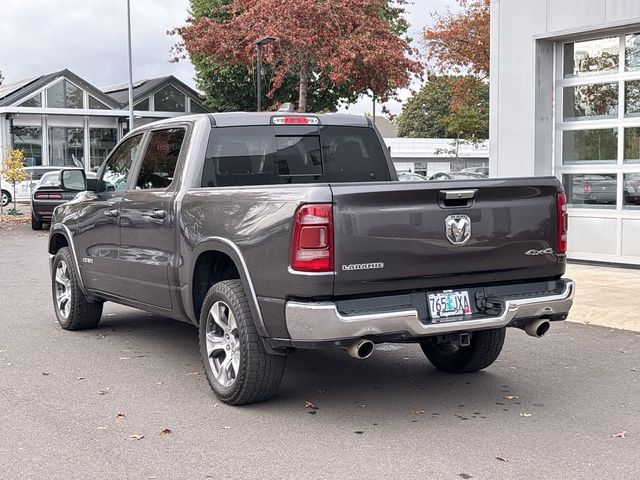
column 89, row 38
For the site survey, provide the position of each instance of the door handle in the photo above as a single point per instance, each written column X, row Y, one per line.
column 111, row 213
column 157, row 214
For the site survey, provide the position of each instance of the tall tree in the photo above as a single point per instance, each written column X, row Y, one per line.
column 331, row 51
column 459, row 42
column 436, row 112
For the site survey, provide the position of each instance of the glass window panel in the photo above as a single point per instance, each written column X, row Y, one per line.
column 35, row 101
column 142, row 105
column 66, row 146
column 632, row 52
column 591, row 190
column 101, row 142
column 95, row 104
column 197, row 108
column 632, row 145
column 29, row 140
column 632, row 98
column 591, row 102
column 631, row 197
column 64, row 94
column 116, row 170
column 169, row 99
column 160, row 159
column 591, row 57
column 589, row 146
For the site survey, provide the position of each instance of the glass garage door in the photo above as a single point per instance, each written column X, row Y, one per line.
column 597, row 144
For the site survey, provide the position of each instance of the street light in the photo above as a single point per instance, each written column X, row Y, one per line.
column 130, row 66
column 261, row 42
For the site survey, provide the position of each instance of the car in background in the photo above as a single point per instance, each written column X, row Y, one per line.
column 411, row 177
column 47, row 195
column 456, row 176
column 483, row 170
column 24, row 189
column 594, row 189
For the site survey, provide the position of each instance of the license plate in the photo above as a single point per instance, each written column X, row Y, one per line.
column 449, row 304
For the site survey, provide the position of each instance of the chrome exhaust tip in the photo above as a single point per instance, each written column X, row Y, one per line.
column 361, row 349
column 537, row 328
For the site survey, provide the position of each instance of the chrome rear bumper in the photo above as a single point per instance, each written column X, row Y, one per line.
column 321, row 321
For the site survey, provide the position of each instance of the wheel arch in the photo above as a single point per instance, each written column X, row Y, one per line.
column 227, row 262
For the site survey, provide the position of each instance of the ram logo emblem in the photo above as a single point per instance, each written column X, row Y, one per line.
column 458, row 229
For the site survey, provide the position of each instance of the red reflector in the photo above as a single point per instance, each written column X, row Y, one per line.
column 312, row 241
column 563, row 223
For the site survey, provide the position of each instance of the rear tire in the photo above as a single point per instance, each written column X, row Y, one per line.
column 237, row 366
column 5, row 198
column 35, row 223
column 73, row 310
column 484, row 349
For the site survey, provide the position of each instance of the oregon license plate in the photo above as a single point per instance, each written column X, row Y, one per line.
column 449, row 304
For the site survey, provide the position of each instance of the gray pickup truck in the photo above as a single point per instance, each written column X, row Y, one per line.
column 274, row 232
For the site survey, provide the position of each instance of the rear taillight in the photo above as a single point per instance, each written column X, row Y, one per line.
column 563, row 223
column 312, row 242
column 587, row 188
column 48, row 196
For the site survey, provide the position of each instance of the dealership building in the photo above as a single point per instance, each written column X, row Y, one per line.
column 565, row 101
column 62, row 120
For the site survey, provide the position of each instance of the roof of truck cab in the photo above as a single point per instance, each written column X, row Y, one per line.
column 239, row 119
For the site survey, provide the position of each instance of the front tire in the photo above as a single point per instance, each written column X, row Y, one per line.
column 237, row 366
column 73, row 310
column 484, row 349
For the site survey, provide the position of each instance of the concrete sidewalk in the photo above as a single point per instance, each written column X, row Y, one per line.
column 606, row 296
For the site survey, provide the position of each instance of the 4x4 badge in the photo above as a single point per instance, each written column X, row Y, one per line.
column 458, row 229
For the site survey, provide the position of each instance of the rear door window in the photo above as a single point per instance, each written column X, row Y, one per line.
column 160, row 159
column 265, row 156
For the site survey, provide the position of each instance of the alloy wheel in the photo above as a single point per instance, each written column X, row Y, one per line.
column 223, row 344
column 63, row 289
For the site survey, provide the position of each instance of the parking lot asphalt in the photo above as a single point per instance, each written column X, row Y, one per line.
column 553, row 408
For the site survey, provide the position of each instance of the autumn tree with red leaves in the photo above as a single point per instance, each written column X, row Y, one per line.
column 459, row 42
column 347, row 42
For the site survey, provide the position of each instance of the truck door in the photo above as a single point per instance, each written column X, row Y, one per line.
column 98, row 235
column 148, row 222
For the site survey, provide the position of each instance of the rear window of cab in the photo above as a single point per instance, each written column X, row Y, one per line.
column 267, row 155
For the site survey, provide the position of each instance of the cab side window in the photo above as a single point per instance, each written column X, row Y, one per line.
column 160, row 159
column 118, row 167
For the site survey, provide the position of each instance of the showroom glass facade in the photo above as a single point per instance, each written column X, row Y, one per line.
column 598, row 122
column 83, row 138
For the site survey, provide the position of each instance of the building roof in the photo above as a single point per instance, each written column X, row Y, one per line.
column 15, row 92
column 417, row 148
column 144, row 88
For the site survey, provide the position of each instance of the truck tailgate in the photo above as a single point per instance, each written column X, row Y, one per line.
column 392, row 237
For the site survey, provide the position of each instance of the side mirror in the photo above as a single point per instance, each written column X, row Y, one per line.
column 73, row 180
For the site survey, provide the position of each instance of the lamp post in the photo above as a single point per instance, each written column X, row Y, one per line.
column 130, row 66
column 261, row 42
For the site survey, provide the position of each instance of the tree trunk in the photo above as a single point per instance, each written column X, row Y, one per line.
column 304, row 84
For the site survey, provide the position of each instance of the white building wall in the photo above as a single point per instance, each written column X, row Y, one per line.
column 524, row 37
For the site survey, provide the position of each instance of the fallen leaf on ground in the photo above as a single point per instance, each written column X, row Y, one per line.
column 102, row 428
column 193, row 373
column 226, row 428
column 466, row 476
column 125, row 358
column 103, row 391
column 80, row 378
column 308, row 404
column 136, row 436
column 501, row 459
column 620, row 435
column 120, row 415
column 46, row 374
column 358, row 432
column 510, row 397
column 418, row 412
column 165, row 431
column 525, row 414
